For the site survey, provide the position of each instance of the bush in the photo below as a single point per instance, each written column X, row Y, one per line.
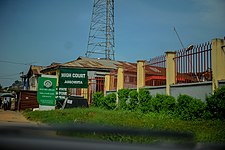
column 189, row 108
column 133, row 100
column 123, row 95
column 163, row 103
column 109, row 101
column 97, row 99
column 169, row 103
column 144, row 100
column 216, row 104
column 156, row 103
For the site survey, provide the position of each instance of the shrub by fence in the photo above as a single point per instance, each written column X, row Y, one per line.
column 189, row 108
column 144, row 99
column 133, row 100
column 97, row 99
column 216, row 104
column 123, row 95
column 107, row 102
column 163, row 103
column 185, row 107
column 110, row 101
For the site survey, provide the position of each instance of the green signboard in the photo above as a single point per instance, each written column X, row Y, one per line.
column 61, row 93
column 46, row 91
column 73, row 78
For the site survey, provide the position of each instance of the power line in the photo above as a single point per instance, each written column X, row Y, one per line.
column 17, row 63
column 178, row 37
column 10, row 75
column 7, row 78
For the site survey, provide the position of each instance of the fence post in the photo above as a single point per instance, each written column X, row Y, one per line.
column 57, row 77
column 218, row 61
column 112, row 82
column 84, row 92
column 107, row 83
column 170, row 70
column 140, row 74
column 120, row 80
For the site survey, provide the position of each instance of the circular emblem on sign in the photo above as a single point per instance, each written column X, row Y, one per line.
column 48, row 83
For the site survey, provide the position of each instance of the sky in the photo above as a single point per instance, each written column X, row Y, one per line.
column 39, row 32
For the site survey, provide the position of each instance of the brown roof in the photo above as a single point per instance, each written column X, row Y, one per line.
column 154, row 70
column 35, row 70
column 54, row 64
column 103, row 64
column 92, row 63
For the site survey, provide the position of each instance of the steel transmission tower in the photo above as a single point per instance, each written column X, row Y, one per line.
column 101, row 34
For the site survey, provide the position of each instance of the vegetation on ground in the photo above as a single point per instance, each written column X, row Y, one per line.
column 184, row 107
column 140, row 110
column 203, row 131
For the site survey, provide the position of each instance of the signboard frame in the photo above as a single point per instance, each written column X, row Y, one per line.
column 73, row 78
column 46, row 90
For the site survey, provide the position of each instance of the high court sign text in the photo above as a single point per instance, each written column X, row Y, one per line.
column 73, row 78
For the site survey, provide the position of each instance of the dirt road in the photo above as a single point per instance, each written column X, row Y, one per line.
column 13, row 117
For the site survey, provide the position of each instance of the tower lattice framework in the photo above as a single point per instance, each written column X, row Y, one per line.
column 101, row 33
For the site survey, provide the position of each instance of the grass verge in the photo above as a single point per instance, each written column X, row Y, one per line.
column 204, row 131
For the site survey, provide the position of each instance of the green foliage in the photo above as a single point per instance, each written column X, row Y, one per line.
column 133, row 100
column 97, row 99
column 163, row 103
column 216, row 104
column 189, row 108
column 109, row 101
column 204, row 131
column 169, row 103
column 144, row 100
column 186, row 107
column 123, row 95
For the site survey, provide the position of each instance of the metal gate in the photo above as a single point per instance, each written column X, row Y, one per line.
column 95, row 85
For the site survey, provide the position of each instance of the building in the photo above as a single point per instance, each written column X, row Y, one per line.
column 33, row 74
column 97, row 69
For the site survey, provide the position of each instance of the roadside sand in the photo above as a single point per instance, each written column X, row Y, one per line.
column 14, row 117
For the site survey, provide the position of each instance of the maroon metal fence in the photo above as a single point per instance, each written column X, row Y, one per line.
column 130, row 79
column 194, row 64
column 155, row 71
column 95, row 85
